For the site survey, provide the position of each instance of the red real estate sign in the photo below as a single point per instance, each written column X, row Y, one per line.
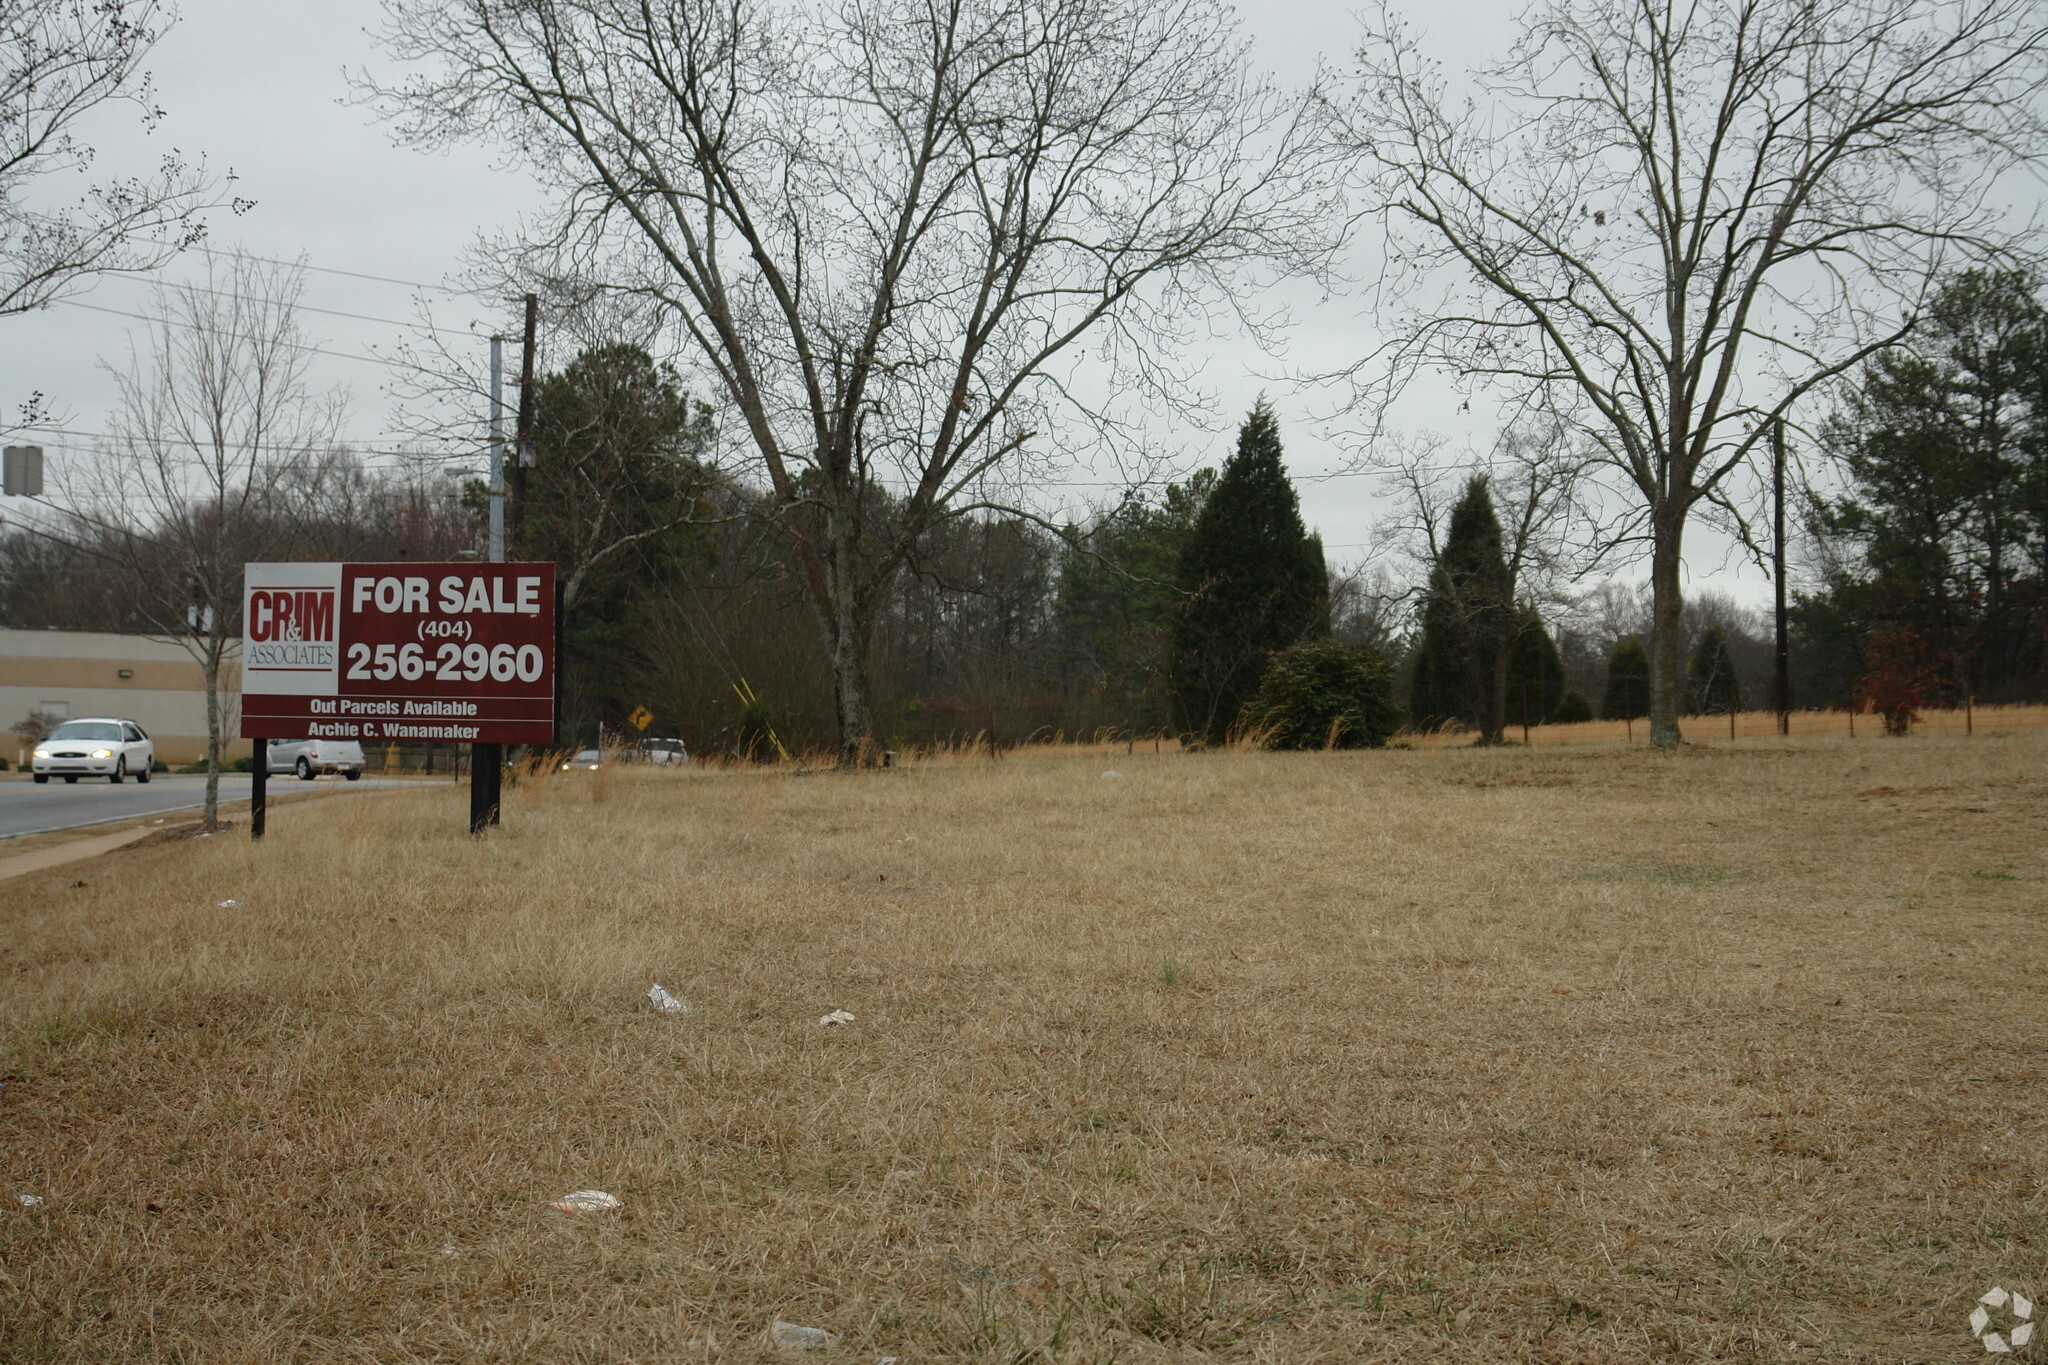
column 383, row 653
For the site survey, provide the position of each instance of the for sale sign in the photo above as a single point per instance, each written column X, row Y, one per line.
column 381, row 653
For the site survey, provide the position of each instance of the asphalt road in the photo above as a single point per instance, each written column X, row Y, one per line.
column 26, row 808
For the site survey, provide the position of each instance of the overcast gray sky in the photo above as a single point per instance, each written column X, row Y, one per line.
column 261, row 87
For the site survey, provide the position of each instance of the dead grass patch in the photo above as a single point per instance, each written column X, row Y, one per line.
column 1247, row 1057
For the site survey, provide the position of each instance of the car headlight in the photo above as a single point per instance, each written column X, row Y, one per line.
column 102, row 753
column 42, row 753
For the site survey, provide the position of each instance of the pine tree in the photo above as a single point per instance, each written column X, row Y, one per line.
column 1710, row 685
column 1254, row 583
column 1572, row 708
column 1535, row 672
column 1465, row 619
column 1628, row 684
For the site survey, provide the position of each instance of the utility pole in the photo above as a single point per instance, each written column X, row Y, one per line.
column 522, row 439
column 486, row 761
column 497, row 544
column 1778, row 576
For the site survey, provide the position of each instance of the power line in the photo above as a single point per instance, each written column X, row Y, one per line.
column 210, row 253
column 237, row 448
column 307, row 307
column 239, row 336
column 338, row 440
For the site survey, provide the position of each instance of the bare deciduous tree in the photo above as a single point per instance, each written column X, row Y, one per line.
column 61, row 61
column 889, row 229
column 1671, row 220
column 215, row 439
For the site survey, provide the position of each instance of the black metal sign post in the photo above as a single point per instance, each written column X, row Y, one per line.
column 486, row 764
column 259, row 788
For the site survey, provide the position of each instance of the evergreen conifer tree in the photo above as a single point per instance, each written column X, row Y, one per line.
column 1254, row 582
column 1535, row 672
column 1572, row 708
column 1466, row 615
column 1628, row 684
column 1710, row 686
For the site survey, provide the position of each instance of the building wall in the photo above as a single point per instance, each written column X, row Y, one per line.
column 80, row 671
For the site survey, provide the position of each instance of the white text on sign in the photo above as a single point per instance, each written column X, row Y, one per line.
column 395, row 595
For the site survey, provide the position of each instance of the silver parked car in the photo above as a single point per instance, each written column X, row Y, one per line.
column 96, row 746
column 308, row 758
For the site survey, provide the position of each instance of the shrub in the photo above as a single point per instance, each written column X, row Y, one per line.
column 1572, row 708
column 3, row 765
column 1899, row 680
column 755, row 736
column 1321, row 694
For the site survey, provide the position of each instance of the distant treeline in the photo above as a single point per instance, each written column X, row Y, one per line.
column 1923, row 572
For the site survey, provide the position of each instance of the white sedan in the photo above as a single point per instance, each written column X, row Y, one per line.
column 94, row 747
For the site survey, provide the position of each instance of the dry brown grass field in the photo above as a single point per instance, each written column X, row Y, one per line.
column 1804, row 725
column 1570, row 1055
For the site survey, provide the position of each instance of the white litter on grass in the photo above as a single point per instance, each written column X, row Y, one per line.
column 837, row 1017
column 2018, row 1330
column 1112, row 773
column 585, row 1201
column 30, row 1201
column 665, row 1002
column 451, row 1250
column 787, row 1336
column 230, row 905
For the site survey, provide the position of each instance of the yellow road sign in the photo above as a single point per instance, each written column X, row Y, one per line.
column 641, row 718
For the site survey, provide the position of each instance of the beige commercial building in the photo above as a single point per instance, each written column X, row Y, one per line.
column 150, row 680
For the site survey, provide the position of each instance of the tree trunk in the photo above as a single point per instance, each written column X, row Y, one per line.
column 210, row 816
column 849, row 628
column 1493, row 728
column 850, row 693
column 1666, row 602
